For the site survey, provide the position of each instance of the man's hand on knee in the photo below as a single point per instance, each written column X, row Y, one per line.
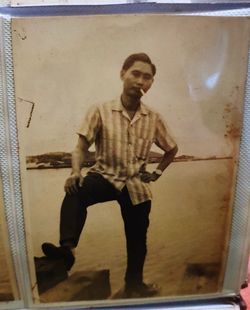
column 72, row 183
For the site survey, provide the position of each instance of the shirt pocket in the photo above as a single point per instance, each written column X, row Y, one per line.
column 142, row 148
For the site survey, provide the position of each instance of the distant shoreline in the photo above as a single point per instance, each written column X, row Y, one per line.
column 56, row 160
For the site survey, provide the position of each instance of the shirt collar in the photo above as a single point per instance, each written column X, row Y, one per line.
column 117, row 106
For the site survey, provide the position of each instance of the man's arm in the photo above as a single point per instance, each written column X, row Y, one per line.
column 78, row 156
column 166, row 160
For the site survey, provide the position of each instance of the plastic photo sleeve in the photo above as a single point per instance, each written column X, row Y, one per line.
column 65, row 67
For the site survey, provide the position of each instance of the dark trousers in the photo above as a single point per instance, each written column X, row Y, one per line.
column 96, row 189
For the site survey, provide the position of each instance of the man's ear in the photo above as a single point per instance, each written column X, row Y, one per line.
column 122, row 74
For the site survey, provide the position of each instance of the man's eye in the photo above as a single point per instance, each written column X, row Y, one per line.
column 136, row 74
column 147, row 77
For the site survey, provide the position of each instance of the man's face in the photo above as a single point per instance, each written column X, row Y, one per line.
column 138, row 76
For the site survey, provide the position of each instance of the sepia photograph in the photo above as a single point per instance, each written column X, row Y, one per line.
column 129, row 130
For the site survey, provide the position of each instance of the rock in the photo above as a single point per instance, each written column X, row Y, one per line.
column 82, row 285
column 49, row 272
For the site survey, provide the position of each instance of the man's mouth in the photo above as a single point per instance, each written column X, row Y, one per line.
column 139, row 90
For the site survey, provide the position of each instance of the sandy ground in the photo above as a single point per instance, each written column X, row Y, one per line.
column 186, row 238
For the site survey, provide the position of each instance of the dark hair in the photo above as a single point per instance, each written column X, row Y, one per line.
column 130, row 60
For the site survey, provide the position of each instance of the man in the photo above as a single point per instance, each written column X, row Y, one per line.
column 123, row 132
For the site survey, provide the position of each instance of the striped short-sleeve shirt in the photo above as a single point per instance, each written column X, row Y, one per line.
column 123, row 145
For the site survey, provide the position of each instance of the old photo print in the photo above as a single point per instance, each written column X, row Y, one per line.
column 65, row 66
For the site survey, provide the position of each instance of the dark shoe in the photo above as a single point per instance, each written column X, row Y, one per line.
column 141, row 290
column 52, row 251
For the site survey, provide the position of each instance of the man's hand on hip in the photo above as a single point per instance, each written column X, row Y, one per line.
column 149, row 177
column 72, row 183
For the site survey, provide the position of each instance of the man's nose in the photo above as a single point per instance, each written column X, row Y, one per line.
column 140, row 80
